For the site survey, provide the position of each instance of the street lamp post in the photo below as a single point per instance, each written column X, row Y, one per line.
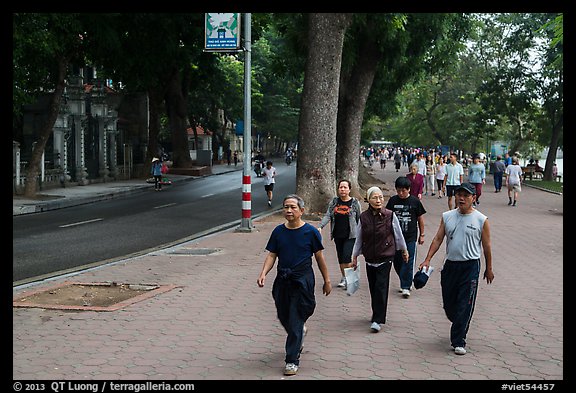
column 246, row 223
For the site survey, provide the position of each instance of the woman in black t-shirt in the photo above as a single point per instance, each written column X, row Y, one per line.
column 343, row 214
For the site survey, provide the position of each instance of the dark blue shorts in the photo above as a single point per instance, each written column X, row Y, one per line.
column 451, row 190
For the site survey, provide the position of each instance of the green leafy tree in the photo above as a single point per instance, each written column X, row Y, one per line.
column 498, row 88
column 160, row 54
column 43, row 47
column 551, row 88
column 317, row 128
column 506, row 44
column 276, row 117
column 383, row 53
column 444, row 109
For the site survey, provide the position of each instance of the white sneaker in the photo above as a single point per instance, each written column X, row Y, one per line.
column 290, row 369
column 406, row 293
column 460, row 351
column 342, row 282
column 375, row 327
column 269, row 203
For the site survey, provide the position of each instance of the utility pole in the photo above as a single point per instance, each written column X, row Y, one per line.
column 246, row 224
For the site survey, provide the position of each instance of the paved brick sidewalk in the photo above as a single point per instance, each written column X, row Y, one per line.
column 218, row 325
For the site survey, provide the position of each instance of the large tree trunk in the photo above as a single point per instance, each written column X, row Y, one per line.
column 555, row 110
column 33, row 171
column 155, row 101
column 315, row 175
column 430, row 112
column 352, row 103
column 176, row 105
column 553, row 148
column 194, row 126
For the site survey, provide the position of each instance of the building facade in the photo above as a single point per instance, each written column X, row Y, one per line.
column 90, row 142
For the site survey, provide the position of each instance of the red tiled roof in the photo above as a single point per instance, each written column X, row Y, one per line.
column 199, row 129
column 88, row 88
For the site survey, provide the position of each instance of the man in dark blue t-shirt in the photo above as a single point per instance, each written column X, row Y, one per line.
column 293, row 244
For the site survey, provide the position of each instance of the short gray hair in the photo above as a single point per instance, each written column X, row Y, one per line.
column 299, row 200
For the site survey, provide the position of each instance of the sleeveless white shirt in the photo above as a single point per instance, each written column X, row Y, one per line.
column 463, row 234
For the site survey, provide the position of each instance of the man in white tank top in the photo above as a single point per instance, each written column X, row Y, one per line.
column 467, row 234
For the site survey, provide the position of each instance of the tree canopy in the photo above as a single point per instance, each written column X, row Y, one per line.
column 416, row 79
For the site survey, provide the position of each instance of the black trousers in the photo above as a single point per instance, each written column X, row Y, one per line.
column 293, row 293
column 378, row 283
column 158, row 182
column 459, row 281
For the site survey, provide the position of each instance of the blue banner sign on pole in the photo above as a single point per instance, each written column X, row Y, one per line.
column 444, row 149
column 240, row 127
column 222, row 32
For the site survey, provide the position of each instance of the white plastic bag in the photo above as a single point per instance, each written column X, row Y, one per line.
column 352, row 279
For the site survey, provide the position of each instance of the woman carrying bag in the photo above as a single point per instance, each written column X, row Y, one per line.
column 343, row 214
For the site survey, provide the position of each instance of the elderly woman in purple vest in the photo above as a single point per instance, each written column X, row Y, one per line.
column 378, row 237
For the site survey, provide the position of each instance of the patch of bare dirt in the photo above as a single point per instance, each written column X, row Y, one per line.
column 276, row 217
column 87, row 295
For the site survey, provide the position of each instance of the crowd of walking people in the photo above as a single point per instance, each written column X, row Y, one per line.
column 437, row 173
column 387, row 235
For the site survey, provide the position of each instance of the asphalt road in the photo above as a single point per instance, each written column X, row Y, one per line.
column 55, row 242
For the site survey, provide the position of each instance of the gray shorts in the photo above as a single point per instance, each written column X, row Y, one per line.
column 515, row 187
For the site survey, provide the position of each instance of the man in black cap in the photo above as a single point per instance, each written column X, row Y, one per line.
column 467, row 234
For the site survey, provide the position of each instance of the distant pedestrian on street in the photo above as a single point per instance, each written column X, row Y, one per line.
column 269, row 180
column 554, row 171
column 259, row 160
column 229, row 156
column 397, row 159
column 421, row 162
column 343, row 214
column 416, row 181
column 454, row 177
column 383, row 158
column 293, row 244
column 477, row 176
column 513, row 180
column 430, row 175
column 467, row 234
column 235, row 157
column 410, row 213
column 378, row 238
column 156, row 172
column 499, row 169
column 507, row 160
column 440, row 174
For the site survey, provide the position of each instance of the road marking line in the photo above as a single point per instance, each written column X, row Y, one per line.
column 206, row 196
column 80, row 223
column 166, row 205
